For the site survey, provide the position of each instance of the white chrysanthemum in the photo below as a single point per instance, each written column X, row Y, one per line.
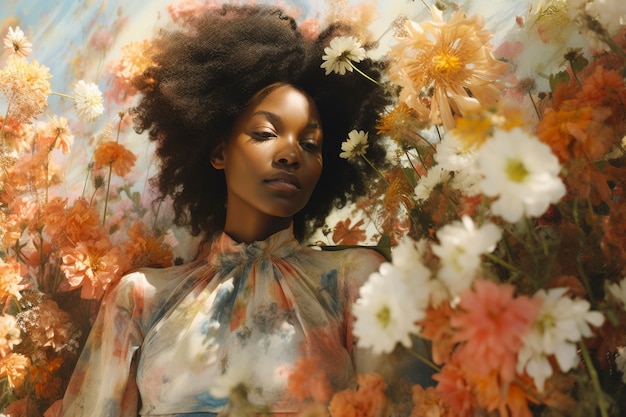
column 392, row 301
column 16, row 43
column 88, row 101
column 453, row 156
column 460, row 247
column 562, row 322
column 618, row 291
column 343, row 50
column 355, row 146
column 620, row 361
column 521, row 172
column 427, row 183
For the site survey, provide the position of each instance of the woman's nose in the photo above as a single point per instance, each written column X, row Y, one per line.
column 287, row 152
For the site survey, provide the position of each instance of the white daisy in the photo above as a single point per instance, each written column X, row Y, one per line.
column 88, row 101
column 562, row 322
column 620, row 361
column 389, row 305
column 16, row 43
column 452, row 155
column 342, row 52
column 460, row 247
column 426, row 184
column 355, row 146
column 618, row 291
column 521, row 172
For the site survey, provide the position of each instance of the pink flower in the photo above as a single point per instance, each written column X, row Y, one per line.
column 491, row 322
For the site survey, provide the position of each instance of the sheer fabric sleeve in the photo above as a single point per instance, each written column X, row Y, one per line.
column 103, row 382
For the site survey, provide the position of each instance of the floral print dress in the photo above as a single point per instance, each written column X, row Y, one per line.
column 175, row 341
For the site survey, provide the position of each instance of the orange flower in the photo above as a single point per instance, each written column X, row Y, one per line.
column 47, row 325
column 346, row 235
column 368, row 400
column 93, row 266
column 455, row 390
column 509, row 400
column 14, row 366
column 574, row 132
column 145, row 250
column 308, row 380
column 80, row 222
column 10, row 280
column 436, row 328
column 453, row 59
column 109, row 153
column 605, row 88
column 428, row 403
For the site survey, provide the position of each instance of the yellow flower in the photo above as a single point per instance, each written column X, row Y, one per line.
column 445, row 68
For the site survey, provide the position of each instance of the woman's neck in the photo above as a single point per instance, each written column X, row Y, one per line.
column 250, row 230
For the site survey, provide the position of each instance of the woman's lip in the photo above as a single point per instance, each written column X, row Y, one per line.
column 283, row 185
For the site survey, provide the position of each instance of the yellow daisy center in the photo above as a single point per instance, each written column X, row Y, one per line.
column 446, row 64
column 516, row 171
column 384, row 316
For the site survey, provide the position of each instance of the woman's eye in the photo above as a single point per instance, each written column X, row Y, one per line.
column 310, row 146
column 262, row 135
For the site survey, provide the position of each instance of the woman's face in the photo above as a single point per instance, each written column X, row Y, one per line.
column 273, row 159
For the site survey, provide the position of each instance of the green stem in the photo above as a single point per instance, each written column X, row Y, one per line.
column 106, row 197
column 532, row 100
column 364, row 74
column 493, row 258
column 425, row 360
column 375, row 169
column 63, row 95
column 595, row 381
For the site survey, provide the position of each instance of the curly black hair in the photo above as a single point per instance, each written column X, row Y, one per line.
column 204, row 75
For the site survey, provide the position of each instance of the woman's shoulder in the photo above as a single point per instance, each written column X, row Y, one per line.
column 150, row 285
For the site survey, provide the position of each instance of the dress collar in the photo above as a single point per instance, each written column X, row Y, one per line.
column 225, row 250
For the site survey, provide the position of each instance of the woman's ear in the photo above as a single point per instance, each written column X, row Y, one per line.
column 217, row 156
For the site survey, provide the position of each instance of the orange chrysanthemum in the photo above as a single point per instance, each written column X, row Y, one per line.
column 14, row 367
column 112, row 154
column 93, row 266
column 455, row 390
column 368, row 400
column 574, row 132
column 47, row 325
column 452, row 59
column 145, row 250
column 66, row 226
column 10, row 280
column 605, row 88
column 428, row 403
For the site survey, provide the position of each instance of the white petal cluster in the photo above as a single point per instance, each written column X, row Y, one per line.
column 618, row 291
column 452, row 155
column 343, row 50
column 427, row 183
column 15, row 42
column 88, row 101
column 522, row 172
column 620, row 361
column 460, row 247
column 392, row 301
column 562, row 322
column 355, row 146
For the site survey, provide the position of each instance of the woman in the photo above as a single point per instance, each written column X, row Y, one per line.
column 248, row 129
